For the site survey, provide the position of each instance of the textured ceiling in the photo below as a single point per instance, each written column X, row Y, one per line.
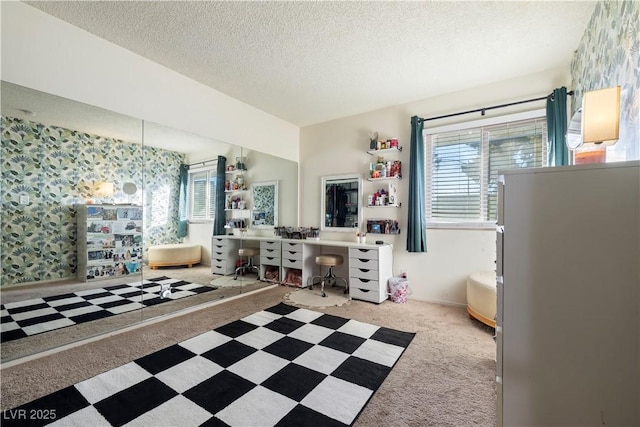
column 309, row 62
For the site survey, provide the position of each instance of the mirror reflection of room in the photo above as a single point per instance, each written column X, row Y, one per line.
column 88, row 198
column 341, row 202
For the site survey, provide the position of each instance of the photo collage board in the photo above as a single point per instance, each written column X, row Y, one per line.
column 114, row 241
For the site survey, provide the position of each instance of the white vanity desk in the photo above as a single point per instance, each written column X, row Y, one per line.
column 367, row 267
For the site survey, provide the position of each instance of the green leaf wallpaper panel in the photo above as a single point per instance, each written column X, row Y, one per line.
column 609, row 55
column 57, row 168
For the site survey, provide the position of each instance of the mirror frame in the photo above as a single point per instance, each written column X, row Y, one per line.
column 328, row 179
column 256, row 186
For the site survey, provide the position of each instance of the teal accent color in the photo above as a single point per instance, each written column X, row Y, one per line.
column 183, row 223
column 557, row 127
column 417, row 221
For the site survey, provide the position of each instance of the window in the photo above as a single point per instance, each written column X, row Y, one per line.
column 462, row 164
column 202, row 193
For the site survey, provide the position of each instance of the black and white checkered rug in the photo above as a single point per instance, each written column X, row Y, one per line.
column 25, row 318
column 281, row 366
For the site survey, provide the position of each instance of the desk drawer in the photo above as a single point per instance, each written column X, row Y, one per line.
column 366, row 295
column 223, row 249
column 219, row 252
column 291, row 263
column 219, row 261
column 270, row 252
column 290, row 254
column 363, row 273
column 270, row 244
column 219, row 269
column 367, row 264
column 363, row 253
column 267, row 260
column 220, row 241
column 288, row 246
column 370, row 285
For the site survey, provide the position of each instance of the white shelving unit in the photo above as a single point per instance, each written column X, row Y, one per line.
column 109, row 241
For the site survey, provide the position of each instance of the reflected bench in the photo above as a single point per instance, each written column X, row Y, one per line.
column 175, row 254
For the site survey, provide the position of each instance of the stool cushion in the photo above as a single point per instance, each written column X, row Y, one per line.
column 248, row 252
column 329, row 259
column 174, row 254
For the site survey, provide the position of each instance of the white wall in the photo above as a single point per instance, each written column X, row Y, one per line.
column 45, row 53
column 340, row 146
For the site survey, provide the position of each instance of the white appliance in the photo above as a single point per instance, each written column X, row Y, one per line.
column 568, row 270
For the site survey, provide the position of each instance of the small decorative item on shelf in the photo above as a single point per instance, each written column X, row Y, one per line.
column 311, row 233
column 388, row 169
column 241, row 163
column 392, row 195
column 383, row 226
column 373, row 141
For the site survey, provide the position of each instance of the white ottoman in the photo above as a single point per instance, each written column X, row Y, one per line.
column 481, row 297
column 174, row 254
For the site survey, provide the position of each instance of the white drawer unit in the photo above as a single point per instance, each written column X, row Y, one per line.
column 270, row 258
column 369, row 271
column 292, row 262
column 223, row 255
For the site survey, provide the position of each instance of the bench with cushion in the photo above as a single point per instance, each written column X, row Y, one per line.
column 173, row 255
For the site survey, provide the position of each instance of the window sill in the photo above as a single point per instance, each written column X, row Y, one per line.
column 200, row 221
column 488, row 226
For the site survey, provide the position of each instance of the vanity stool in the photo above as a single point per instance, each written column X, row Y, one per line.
column 329, row 260
column 249, row 253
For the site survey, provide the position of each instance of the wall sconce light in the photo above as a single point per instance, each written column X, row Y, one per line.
column 104, row 189
column 601, row 116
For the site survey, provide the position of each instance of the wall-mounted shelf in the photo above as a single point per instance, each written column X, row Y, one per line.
column 385, row 150
column 235, row 171
column 382, row 226
column 385, row 206
column 386, row 178
column 235, row 191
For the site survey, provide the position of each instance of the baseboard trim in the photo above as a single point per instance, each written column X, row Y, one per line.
column 434, row 301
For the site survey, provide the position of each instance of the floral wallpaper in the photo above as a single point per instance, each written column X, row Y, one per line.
column 609, row 55
column 46, row 170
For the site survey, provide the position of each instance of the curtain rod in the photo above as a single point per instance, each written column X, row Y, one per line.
column 483, row 110
column 202, row 162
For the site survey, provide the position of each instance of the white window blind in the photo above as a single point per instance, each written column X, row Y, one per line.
column 462, row 165
column 202, row 193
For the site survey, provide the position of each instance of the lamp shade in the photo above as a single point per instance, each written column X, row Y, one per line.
column 601, row 116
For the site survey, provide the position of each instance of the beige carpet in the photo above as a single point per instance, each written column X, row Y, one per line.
column 445, row 378
column 312, row 298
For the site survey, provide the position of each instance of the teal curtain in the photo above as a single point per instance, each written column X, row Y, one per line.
column 183, row 216
column 417, row 222
column 557, row 127
column 220, row 218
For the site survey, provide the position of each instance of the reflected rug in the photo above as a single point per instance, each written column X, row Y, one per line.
column 25, row 318
column 280, row 366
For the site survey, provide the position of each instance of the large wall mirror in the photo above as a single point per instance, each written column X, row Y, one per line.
column 340, row 207
column 60, row 157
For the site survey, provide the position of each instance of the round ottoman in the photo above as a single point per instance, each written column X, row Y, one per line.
column 481, row 297
column 173, row 255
